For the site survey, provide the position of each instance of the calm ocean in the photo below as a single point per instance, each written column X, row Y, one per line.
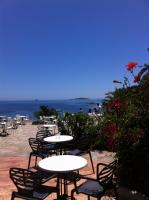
column 12, row 108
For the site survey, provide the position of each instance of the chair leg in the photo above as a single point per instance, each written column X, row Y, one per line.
column 91, row 162
column 29, row 161
column 117, row 196
column 58, row 188
column 12, row 196
column 36, row 161
column 88, row 197
column 72, row 194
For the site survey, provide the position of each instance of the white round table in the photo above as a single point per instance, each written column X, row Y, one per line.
column 3, row 123
column 61, row 165
column 58, row 138
column 48, row 125
column 22, row 116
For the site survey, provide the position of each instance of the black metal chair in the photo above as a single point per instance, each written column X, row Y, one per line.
column 41, row 134
column 38, row 150
column 29, row 186
column 97, row 187
column 78, row 148
column 78, row 152
column 52, row 147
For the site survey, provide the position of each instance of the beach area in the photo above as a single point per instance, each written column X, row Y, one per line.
column 14, row 152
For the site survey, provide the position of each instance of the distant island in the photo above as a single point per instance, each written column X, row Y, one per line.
column 92, row 103
column 81, row 98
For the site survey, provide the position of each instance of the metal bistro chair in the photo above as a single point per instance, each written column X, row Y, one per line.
column 9, row 125
column 38, row 150
column 29, row 186
column 49, row 146
column 77, row 148
column 41, row 134
column 97, row 187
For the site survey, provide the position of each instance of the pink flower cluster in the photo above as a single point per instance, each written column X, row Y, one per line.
column 110, row 131
column 116, row 104
column 135, row 136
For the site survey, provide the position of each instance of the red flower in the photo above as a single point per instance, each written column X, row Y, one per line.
column 137, row 78
column 115, row 104
column 111, row 129
column 111, row 144
column 131, row 65
column 135, row 136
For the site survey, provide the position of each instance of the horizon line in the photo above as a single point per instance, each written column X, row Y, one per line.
column 77, row 98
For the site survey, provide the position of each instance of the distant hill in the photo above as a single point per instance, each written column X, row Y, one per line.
column 92, row 103
column 81, row 98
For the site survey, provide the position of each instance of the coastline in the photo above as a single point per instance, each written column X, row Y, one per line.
column 28, row 108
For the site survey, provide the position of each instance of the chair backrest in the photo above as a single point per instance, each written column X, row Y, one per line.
column 40, row 117
column 42, row 134
column 9, row 123
column 35, row 144
column 105, row 172
column 25, row 181
column 83, row 142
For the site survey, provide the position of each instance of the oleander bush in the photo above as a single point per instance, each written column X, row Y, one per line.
column 125, row 128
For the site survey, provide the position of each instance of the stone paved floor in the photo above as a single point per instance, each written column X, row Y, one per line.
column 14, row 151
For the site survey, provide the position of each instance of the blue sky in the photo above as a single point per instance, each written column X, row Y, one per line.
column 59, row 49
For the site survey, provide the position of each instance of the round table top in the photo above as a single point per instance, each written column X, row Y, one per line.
column 49, row 117
column 22, row 116
column 58, row 138
column 3, row 123
column 62, row 163
column 49, row 125
column 2, row 116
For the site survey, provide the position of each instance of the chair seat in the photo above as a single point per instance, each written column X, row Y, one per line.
column 43, row 192
column 91, row 188
column 39, row 194
column 45, row 176
column 40, row 154
column 49, row 147
column 74, row 152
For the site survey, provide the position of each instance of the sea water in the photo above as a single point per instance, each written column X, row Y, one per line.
column 28, row 108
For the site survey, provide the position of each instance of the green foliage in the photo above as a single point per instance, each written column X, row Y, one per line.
column 125, row 129
column 80, row 125
column 37, row 122
column 45, row 111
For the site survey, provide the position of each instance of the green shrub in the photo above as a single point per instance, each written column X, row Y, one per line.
column 45, row 111
column 125, row 128
column 37, row 122
column 80, row 125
